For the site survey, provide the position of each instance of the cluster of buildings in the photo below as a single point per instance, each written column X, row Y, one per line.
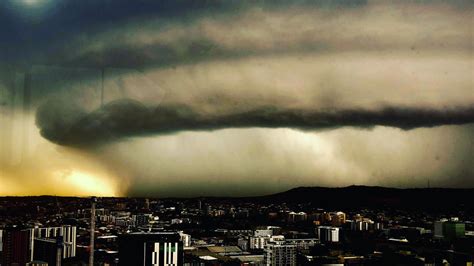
column 39, row 245
column 449, row 228
column 221, row 232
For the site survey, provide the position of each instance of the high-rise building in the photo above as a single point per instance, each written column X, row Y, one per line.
column 147, row 204
column 68, row 234
column 453, row 230
column 1, row 240
column 329, row 234
column 279, row 253
column 297, row 217
column 141, row 219
column 47, row 249
column 243, row 244
column 438, row 231
column 260, row 238
column 303, row 243
column 338, row 218
column 258, row 242
column 357, row 217
column 325, row 218
column 363, row 225
column 263, row 232
column 150, row 249
column 185, row 238
column 276, row 230
column 16, row 246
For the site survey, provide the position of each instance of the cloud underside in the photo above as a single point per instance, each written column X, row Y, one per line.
column 303, row 67
column 128, row 118
column 257, row 31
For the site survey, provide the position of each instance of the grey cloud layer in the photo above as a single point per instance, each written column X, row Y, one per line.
column 69, row 126
column 256, row 30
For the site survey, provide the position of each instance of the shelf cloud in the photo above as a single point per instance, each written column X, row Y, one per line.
column 126, row 118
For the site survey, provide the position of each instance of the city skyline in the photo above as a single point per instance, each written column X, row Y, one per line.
column 173, row 99
column 305, row 226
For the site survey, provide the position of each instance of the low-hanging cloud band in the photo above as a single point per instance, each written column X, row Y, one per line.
column 128, row 118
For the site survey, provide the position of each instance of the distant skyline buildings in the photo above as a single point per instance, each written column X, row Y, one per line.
column 178, row 232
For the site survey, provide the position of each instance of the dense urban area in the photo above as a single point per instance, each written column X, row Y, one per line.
column 228, row 231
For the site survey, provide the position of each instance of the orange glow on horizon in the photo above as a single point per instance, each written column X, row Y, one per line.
column 85, row 184
column 61, row 183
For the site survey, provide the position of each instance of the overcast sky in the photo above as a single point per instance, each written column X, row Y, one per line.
column 191, row 98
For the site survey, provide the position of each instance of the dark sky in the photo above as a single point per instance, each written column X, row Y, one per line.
column 120, row 97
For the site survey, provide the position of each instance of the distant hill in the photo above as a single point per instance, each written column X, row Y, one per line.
column 365, row 196
column 432, row 199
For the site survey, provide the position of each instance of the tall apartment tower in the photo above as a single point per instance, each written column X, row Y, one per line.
column 329, row 234
column 68, row 234
column 49, row 250
column 280, row 253
column 16, row 248
column 150, row 249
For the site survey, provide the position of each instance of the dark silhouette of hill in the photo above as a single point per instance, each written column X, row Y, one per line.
column 382, row 197
column 429, row 199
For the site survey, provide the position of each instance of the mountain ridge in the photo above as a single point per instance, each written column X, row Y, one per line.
column 376, row 196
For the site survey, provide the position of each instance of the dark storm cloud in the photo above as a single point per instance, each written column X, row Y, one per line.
column 66, row 125
column 47, row 32
column 43, row 31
